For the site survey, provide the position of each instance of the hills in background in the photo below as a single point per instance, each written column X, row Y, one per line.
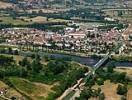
column 68, row 1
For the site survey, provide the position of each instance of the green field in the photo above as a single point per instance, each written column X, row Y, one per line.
column 36, row 91
column 8, row 19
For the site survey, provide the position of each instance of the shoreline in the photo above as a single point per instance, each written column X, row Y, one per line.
column 124, row 67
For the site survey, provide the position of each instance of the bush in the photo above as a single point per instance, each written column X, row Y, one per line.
column 121, row 90
column 100, row 81
column 90, row 82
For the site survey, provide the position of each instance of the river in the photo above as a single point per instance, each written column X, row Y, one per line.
column 89, row 61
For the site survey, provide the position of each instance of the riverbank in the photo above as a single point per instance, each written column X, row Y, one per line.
column 48, row 50
column 89, row 59
column 122, row 58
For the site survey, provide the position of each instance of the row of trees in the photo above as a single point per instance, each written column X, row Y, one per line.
column 41, row 26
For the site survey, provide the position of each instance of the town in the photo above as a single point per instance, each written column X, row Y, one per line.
column 89, row 40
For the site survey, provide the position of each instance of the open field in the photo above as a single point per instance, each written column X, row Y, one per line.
column 109, row 90
column 10, row 20
column 7, row 19
column 2, row 85
column 129, row 94
column 127, row 18
column 5, row 5
column 10, row 91
column 123, row 17
column 128, row 71
column 46, row 10
column 37, row 91
column 40, row 19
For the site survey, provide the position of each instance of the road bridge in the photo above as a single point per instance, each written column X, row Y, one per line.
column 101, row 62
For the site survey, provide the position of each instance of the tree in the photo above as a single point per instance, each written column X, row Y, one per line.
column 23, row 72
column 46, row 58
column 2, row 73
column 36, row 66
column 5, row 61
column 86, row 94
column 120, row 13
column 40, row 12
column 121, row 89
column 57, row 66
column 33, row 56
column 10, row 50
column 111, row 67
column 122, row 77
column 37, row 57
column 16, row 52
column 100, row 81
column 13, row 98
column 90, row 82
column 118, row 77
column 24, row 62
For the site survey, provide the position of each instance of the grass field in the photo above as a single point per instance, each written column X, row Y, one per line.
column 37, row 91
column 10, row 20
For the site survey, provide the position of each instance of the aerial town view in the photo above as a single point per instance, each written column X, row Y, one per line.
column 65, row 49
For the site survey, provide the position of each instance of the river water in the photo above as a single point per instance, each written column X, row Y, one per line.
column 90, row 61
